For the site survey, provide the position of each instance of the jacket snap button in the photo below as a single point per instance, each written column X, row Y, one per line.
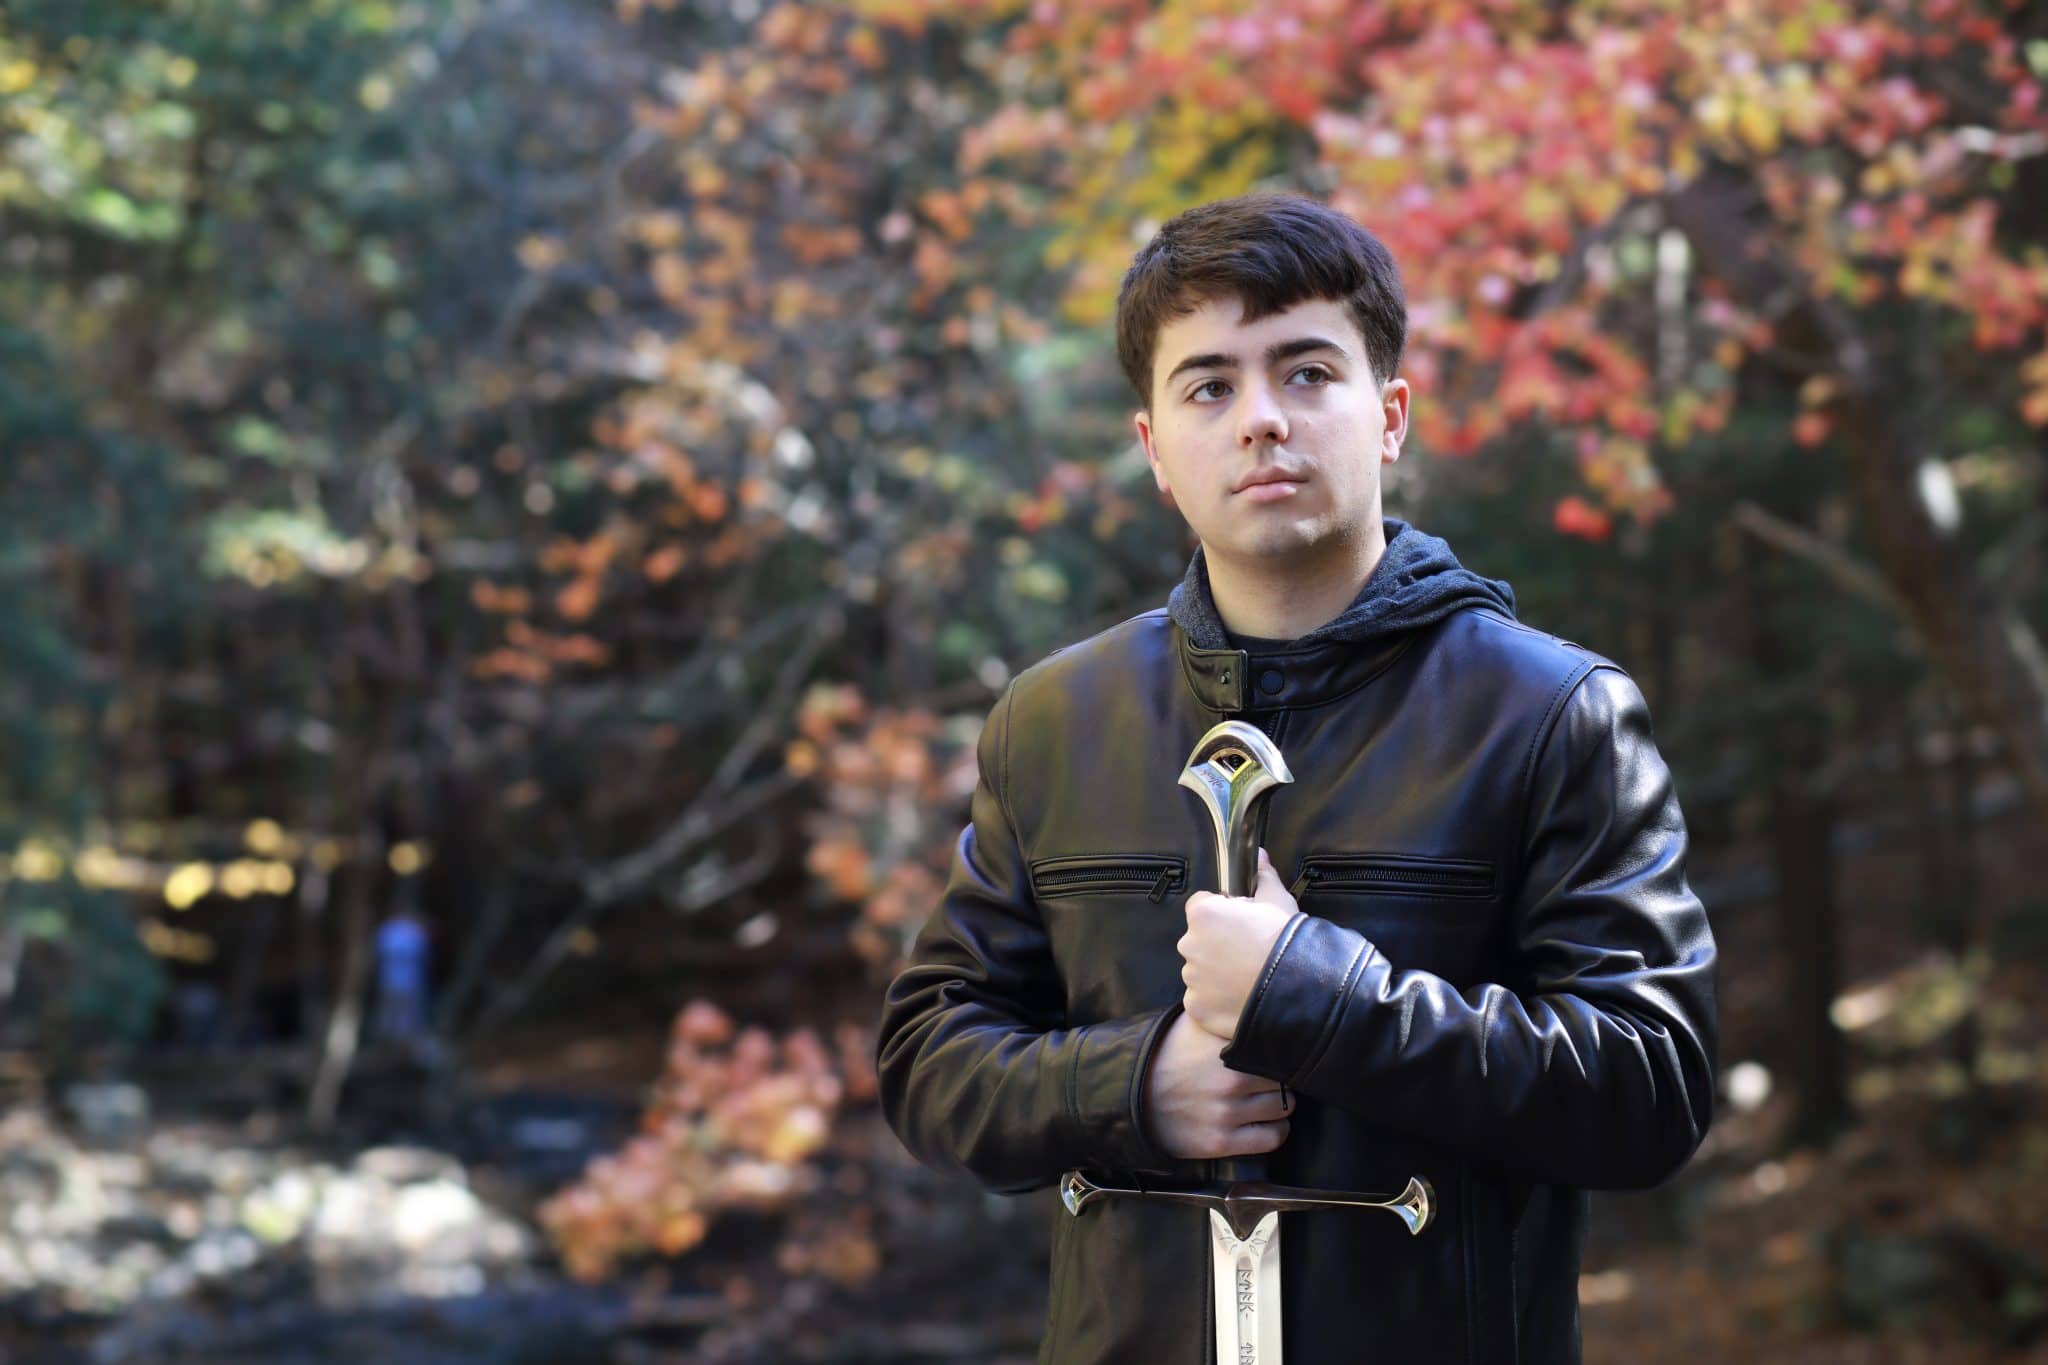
column 1225, row 679
column 1270, row 680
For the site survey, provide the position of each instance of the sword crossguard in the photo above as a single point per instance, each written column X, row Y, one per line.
column 1243, row 1204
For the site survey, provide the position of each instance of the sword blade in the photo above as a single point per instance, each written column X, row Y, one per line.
column 1247, row 1285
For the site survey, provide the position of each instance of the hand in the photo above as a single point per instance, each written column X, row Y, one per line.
column 1227, row 942
column 1197, row 1107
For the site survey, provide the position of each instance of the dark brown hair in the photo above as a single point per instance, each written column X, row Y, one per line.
column 1273, row 250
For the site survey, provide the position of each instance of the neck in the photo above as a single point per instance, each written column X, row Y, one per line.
column 1284, row 601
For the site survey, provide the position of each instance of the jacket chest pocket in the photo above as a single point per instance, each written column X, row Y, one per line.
column 1396, row 874
column 1154, row 876
column 1438, row 914
column 1111, row 921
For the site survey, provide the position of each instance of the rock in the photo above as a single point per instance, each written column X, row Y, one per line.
column 397, row 1165
column 280, row 1209
column 167, row 1248
column 427, row 1213
column 136, row 1226
column 108, row 1113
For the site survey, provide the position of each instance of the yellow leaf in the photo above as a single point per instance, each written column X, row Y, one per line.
column 187, row 885
column 1602, row 198
column 1685, row 161
column 1758, row 124
column 671, row 277
column 539, row 252
column 659, row 231
column 1715, row 114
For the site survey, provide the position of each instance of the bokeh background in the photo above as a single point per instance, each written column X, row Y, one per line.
column 512, row 515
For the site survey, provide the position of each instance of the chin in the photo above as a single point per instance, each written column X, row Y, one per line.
column 1279, row 543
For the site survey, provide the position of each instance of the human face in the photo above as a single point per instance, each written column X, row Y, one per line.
column 1235, row 404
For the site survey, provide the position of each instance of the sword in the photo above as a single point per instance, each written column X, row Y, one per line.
column 1233, row 768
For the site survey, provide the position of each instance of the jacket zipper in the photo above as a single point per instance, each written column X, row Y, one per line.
column 1395, row 873
column 1155, row 876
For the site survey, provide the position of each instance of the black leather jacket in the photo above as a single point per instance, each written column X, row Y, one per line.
column 1501, row 980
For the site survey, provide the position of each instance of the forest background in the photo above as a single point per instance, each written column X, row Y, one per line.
column 579, row 473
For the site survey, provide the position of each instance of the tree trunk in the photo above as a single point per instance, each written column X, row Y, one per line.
column 343, row 1030
column 11, row 943
column 1964, row 920
column 1801, row 833
column 344, row 1022
column 1802, row 829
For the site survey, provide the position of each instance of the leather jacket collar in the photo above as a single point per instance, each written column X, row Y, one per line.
column 1229, row 681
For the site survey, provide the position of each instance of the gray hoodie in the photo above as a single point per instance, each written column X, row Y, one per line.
column 1417, row 581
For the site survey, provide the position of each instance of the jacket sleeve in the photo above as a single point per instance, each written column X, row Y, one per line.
column 975, row 1069
column 1593, row 1063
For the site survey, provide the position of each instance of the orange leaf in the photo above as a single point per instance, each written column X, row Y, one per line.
column 1574, row 516
column 664, row 563
column 576, row 601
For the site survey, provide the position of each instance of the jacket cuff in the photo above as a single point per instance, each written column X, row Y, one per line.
column 1106, row 1092
column 1292, row 1013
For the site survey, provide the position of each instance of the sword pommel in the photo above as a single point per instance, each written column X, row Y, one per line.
column 1233, row 765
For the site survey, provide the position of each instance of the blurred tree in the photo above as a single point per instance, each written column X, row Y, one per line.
column 542, row 405
column 71, row 964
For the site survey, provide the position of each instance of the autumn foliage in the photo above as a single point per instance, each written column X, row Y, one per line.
column 1515, row 157
column 734, row 1122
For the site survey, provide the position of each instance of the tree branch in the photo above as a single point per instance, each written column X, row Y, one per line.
column 1849, row 572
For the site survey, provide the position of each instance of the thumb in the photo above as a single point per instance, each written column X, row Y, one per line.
column 1269, row 877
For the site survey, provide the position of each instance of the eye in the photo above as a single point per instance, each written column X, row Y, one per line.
column 1319, row 374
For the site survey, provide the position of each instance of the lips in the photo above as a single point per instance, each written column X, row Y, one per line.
column 1258, row 477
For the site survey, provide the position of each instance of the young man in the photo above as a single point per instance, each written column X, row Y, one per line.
column 1471, row 955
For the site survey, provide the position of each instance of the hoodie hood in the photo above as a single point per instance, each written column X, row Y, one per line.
column 1417, row 581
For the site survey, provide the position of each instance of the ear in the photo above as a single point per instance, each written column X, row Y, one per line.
column 1394, row 409
column 1142, row 420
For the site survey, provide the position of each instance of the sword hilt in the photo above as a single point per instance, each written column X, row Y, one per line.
column 1235, row 766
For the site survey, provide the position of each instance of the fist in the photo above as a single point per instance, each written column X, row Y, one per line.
column 1227, row 942
column 1196, row 1107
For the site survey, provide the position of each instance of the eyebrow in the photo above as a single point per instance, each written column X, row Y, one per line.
column 1277, row 352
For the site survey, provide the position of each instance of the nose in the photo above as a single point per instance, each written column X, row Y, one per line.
column 1260, row 420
